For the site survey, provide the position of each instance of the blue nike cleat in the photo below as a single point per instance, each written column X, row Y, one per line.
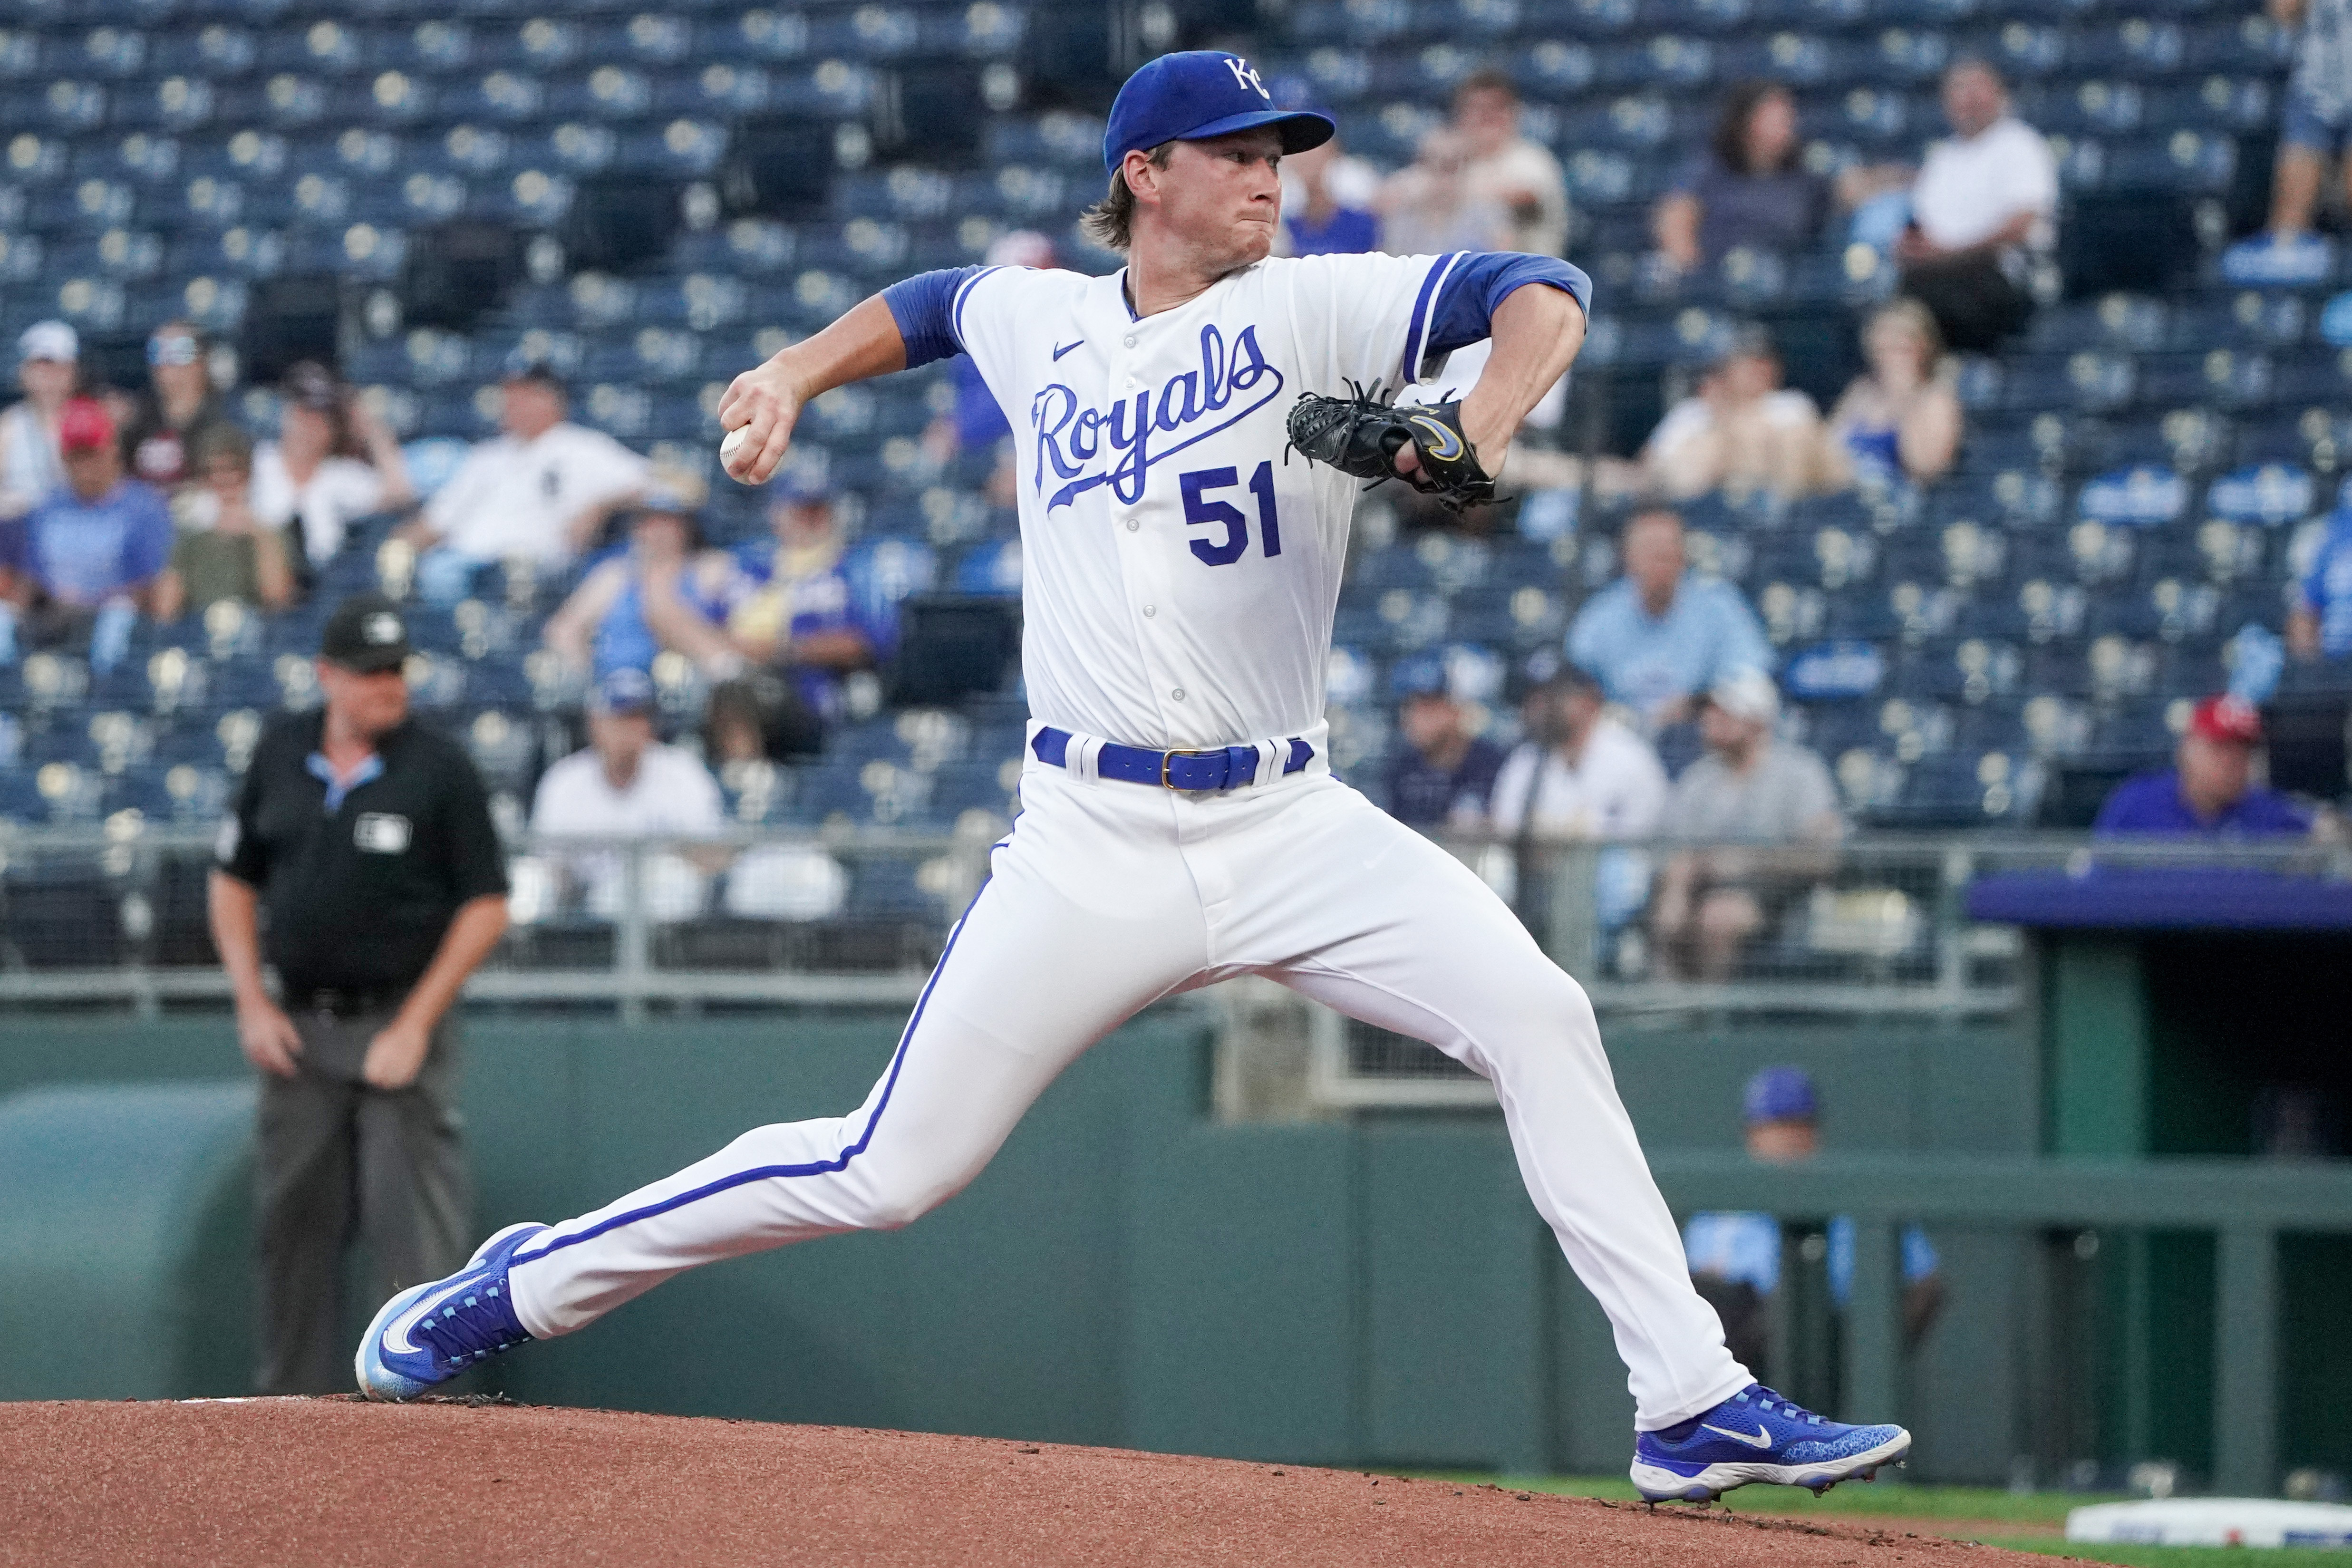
column 1758, row 1436
column 429, row 1333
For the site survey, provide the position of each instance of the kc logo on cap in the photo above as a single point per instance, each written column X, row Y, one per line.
column 383, row 628
column 1195, row 96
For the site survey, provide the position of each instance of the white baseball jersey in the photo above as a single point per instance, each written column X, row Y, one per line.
column 1179, row 579
column 1180, row 575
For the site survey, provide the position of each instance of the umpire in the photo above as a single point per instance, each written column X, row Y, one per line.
column 367, row 840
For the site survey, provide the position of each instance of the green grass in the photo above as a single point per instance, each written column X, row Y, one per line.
column 1859, row 1502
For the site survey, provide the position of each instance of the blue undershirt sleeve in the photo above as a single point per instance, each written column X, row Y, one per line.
column 1482, row 281
column 924, row 306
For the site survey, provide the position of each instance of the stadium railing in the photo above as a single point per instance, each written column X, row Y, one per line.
column 2246, row 1205
column 1874, row 926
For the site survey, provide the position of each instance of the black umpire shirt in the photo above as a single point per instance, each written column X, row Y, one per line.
column 360, row 896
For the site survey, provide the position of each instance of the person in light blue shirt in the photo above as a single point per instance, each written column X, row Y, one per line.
column 1658, row 635
column 1735, row 1258
column 2319, row 626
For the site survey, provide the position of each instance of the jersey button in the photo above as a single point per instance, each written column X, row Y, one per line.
column 1149, row 611
column 1129, row 342
column 1132, row 525
column 1178, row 694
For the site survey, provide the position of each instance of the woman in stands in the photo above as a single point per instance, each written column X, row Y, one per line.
column 220, row 549
column 1900, row 421
column 332, row 462
column 665, row 591
column 1746, row 188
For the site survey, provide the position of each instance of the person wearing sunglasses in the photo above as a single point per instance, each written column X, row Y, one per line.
column 179, row 408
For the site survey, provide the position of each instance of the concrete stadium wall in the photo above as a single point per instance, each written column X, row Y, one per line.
column 1128, row 1271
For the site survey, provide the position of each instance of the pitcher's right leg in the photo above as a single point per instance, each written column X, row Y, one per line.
column 1088, row 916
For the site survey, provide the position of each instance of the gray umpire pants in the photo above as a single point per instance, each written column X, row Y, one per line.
column 341, row 1162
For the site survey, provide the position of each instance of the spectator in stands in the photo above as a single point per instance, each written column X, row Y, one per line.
column 1443, row 775
column 1754, row 790
column 1505, row 169
column 221, row 550
column 1985, row 202
column 1735, row 1258
column 31, row 467
column 1658, row 635
column 2209, row 791
column 2320, row 624
column 83, row 563
column 1427, row 209
column 333, row 462
column 1581, row 774
column 1741, row 431
column 2316, row 124
column 180, row 405
column 664, row 590
column 1900, row 420
column 1326, row 204
column 794, row 609
column 1746, row 188
column 542, row 492
column 627, row 785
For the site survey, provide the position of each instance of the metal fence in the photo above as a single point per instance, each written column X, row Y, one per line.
column 2245, row 1206
column 1873, row 926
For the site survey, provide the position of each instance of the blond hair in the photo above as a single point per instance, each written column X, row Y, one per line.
column 1110, row 222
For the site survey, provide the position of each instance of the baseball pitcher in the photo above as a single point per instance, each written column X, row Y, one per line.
column 1193, row 432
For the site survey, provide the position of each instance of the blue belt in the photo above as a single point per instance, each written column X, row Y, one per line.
column 1229, row 767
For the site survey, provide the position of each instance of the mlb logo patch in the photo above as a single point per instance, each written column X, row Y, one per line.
column 382, row 833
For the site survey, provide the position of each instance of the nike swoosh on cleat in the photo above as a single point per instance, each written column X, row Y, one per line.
column 396, row 1333
column 1065, row 348
column 1761, row 1440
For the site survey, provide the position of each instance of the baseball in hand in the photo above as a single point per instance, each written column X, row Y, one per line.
column 728, row 449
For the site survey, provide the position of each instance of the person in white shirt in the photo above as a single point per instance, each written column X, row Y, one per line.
column 1504, row 168
column 1984, row 203
column 541, row 491
column 47, row 362
column 1741, row 431
column 332, row 462
column 626, row 784
column 1581, row 773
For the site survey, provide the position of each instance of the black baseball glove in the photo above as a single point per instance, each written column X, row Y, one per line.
column 1362, row 435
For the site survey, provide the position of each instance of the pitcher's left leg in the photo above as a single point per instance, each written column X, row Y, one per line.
column 1390, row 929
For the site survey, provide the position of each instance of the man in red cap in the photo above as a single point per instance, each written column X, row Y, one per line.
column 2209, row 791
column 84, row 562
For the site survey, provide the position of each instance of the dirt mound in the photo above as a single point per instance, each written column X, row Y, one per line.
column 337, row 1481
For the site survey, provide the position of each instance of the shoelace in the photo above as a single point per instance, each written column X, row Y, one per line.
column 475, row 1325
column 1789, row 1410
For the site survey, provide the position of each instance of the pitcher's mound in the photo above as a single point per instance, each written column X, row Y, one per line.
column 336, row 1480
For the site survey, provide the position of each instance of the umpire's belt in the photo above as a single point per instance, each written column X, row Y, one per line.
column 1228, row 767
column 346, row 1004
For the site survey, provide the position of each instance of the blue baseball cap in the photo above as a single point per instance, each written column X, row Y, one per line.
column 798, row 483
column 627, row 690
column 1422, row 676
column 1779, row 1094
column 1201, row 93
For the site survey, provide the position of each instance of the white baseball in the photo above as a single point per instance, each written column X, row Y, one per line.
column 729, row 448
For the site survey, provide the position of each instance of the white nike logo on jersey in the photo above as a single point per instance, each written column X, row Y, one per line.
column 1761, row 1440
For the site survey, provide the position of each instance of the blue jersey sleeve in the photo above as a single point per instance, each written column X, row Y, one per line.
column 1475, row 284
column 926, row 308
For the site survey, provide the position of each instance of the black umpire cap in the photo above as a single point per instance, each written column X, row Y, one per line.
column 365, row 634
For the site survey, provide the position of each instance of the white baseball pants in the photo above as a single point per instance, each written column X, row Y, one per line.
column 1108, row 896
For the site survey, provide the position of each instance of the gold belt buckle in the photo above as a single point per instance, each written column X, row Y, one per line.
column 1168, row 757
